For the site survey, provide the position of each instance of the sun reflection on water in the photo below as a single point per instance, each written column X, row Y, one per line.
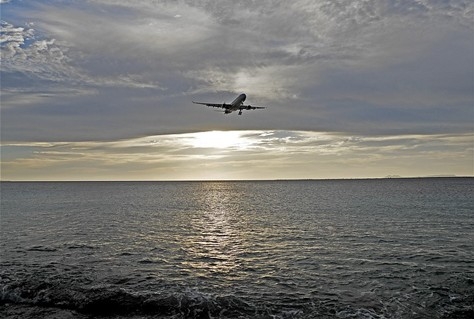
column 214, row 241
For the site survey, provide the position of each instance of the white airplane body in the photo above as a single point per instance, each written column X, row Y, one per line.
column 235, row 105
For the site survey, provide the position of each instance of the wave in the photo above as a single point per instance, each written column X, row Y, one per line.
column 42, row 248
column 82, row 295
column 117, row 302
column 110, row 301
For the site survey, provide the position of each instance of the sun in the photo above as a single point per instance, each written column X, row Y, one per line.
column 219, row 140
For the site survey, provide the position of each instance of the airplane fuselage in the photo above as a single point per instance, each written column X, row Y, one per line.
column 235, row 105
column 239, row 100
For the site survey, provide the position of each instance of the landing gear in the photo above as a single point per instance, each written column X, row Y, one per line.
column 240, row 112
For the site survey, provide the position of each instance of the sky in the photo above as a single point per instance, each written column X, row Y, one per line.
column 103, row 89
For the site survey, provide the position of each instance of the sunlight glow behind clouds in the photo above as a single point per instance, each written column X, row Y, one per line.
column 218, row 140
column 241, row 155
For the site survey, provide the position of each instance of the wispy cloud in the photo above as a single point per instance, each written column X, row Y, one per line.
column 247, row 154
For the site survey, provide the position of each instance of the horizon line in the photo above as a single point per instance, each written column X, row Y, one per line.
column 237, row 180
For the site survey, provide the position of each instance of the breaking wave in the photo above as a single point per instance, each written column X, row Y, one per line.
column 106, row 301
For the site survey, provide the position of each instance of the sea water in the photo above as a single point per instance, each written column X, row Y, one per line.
column 389, row 248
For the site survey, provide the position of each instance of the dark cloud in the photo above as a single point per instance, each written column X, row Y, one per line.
column 354, row 64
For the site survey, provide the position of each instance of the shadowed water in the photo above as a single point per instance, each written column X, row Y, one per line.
column 395, row 248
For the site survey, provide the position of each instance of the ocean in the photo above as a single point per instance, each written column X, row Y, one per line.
column 380, row 248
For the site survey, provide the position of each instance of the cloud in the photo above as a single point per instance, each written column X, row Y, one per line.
column 21, row 52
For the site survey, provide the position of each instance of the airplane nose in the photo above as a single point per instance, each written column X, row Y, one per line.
column 244, row 97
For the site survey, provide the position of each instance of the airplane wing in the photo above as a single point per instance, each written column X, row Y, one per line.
column 250, row 107
column 222, row 106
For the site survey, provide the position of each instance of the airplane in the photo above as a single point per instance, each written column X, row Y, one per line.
column 235, row 105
